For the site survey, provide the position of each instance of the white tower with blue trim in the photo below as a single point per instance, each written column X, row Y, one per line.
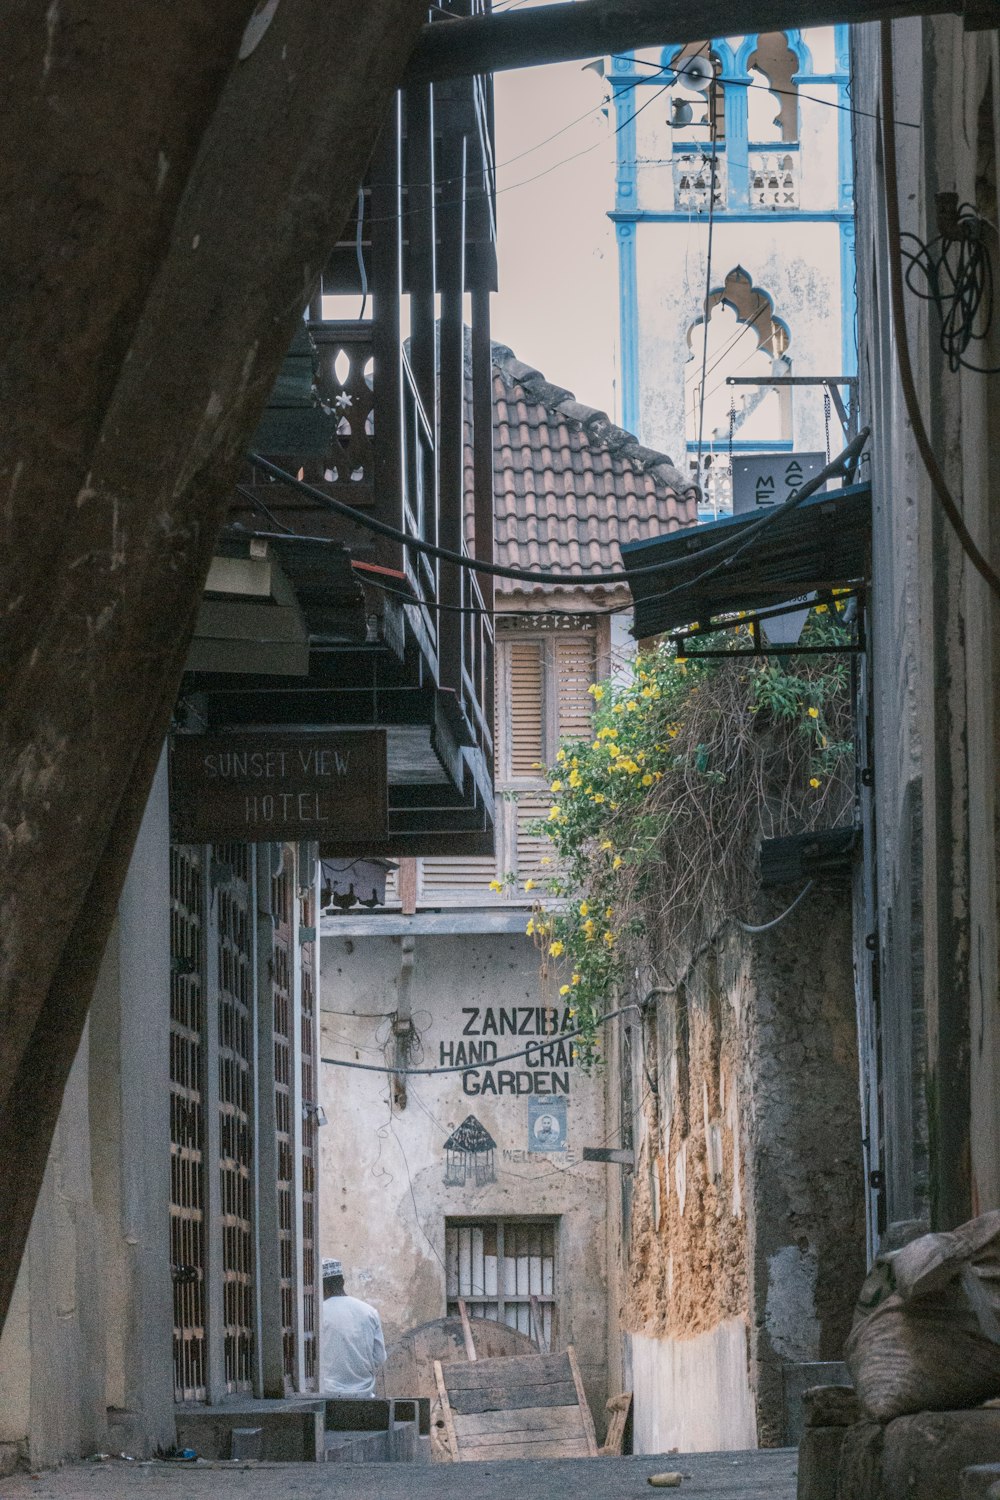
column 734, row 204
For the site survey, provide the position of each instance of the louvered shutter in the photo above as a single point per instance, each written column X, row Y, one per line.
column 449, row 880
column 576, row 662
column 525, row 708
column 532, row 848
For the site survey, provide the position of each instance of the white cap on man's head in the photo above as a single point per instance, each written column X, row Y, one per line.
column 332, row 1268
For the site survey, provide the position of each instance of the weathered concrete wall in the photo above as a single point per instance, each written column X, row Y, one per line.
column 745, row 1236
column 384, row 1198
column 805, row 1193
column 130, row 1131
column 85, row 1357
column 52, row 1352
column 935, row 659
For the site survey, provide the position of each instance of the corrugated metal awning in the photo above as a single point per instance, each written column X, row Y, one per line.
column 821, row 544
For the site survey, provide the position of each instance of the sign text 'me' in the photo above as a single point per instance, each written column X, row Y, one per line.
column 270, row 785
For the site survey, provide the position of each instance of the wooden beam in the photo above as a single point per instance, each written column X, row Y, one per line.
column 142, row 341
column 593, row 28
column 446, row 1412
column 470, row 1343
column 588, row 1421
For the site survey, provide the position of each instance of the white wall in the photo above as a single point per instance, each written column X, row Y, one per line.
column 693, row 1394
column 797, row 265
column 384, row 1199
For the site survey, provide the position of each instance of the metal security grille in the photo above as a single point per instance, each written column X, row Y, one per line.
column 497, row 1266
column 310, row 1143
column 282, row 896
column 187, row 1120
column 232, row 880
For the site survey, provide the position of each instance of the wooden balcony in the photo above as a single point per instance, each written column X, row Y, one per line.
column 392, row 427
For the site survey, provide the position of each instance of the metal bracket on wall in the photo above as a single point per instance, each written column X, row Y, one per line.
column 848, row 416
column 402, row 1021
column 613, row 1154
column 754, row 621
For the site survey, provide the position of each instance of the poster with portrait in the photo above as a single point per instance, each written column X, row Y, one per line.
column 546, row 1122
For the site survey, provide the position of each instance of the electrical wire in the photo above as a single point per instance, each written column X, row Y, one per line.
column 748, row 83
column 411, row 212
column 563, row 1036
column 625, row 88
column 906, row 380
column 776, row 921
column 254, row 499
column 957, row 277
column 359, row 250
column 844, row 461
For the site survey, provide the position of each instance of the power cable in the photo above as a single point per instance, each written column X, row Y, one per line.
column 254, row 499
column 906, row 380
column 958, row 279
column 844, row 462
column 748, row 83
column 776, row 921
column 563, row 1036
column 623, row 89
column 413, row 212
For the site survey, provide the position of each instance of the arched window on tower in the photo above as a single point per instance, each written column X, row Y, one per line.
column 698, row 124
column 745, row 338
column 773, row 122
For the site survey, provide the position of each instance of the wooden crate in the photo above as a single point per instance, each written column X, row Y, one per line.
column 526, row 1406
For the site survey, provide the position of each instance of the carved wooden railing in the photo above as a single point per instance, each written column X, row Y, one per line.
column 770, row 173
column 693, row 179
column 774, row 176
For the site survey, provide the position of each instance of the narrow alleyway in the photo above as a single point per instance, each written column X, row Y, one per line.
column 767, row 1475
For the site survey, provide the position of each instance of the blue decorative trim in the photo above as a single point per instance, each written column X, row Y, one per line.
column 795, row 42
column 737, row 130
column 717, row 44
column 748, row 216
column 747, row 450
column 625, row 149
column 848, row 299
column 628, row 322
column 842, row 49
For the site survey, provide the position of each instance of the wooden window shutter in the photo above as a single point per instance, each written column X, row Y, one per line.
column 532, row 848
column 454, row 877
column 525, row 706
column 576, row 664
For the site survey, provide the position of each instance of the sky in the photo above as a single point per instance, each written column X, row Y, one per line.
column 558, row 274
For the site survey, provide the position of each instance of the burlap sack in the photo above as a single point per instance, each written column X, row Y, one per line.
column 926, row 1332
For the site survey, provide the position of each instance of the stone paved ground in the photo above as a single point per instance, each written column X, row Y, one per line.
column 709, row 1476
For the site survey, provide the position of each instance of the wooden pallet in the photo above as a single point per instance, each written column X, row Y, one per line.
column 526, row 1406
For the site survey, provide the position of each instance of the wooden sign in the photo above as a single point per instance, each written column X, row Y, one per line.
column 272, row 785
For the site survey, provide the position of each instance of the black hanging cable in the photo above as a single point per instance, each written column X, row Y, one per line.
column 954, row 272
column 748, row 83
column 359, row 249
column 906, row 380
column 836, row 469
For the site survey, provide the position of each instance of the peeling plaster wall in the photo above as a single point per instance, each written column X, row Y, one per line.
column 746, row 1208
column 384, row 1198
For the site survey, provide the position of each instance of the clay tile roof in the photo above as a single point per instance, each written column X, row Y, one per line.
column 568, row 484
